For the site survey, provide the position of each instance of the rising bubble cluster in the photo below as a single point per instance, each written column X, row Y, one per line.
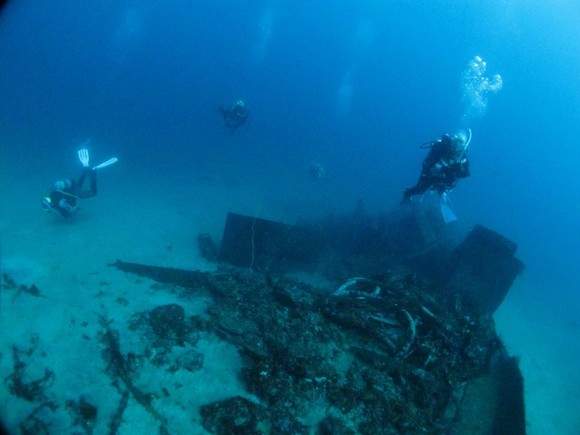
column 476, row 87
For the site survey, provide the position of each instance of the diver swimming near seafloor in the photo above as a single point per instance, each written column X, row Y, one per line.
column 65, row 193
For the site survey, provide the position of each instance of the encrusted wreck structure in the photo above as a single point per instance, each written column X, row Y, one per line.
column 402, row 342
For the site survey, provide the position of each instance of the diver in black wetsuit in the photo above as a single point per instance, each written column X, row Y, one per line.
column 235, row 116
column 65, row 193
column 445, row 164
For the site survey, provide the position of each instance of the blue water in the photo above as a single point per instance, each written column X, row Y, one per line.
column 356, row 86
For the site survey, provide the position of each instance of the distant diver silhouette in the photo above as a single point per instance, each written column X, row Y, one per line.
column 235, row 116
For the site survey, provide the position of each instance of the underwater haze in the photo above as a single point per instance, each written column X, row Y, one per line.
column 354, row 86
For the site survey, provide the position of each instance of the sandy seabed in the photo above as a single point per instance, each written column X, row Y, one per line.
column 156, row 223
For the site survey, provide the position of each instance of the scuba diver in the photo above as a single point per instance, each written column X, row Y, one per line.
column 445, row 164
column 235, row 116
column 317, row 171
column 65, row 193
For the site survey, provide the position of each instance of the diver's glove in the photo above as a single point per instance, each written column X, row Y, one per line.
column 84, row 157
